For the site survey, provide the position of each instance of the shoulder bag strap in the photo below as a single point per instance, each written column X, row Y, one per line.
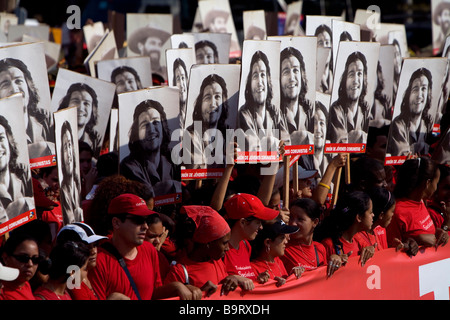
column 111, row 249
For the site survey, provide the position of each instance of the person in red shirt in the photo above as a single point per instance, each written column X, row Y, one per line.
column 63, row 257
column 439, row 205
column 302, row 250
column 352, row 214
column 416, row 181
column 244, row 213
column 128, row 215
column 203, row 236
column 20, row 251
column 268, row 247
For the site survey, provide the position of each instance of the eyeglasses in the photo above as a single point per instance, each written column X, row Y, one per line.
column 24, row 258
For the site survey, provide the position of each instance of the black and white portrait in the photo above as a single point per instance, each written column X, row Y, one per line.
column 254, row 25
column 93, row 99
column 415, row 105
column 183, row 40
column 148, row 35
column 212, row 47
column 146, row 124
column 259, row 114
column 292, row 24
column 343, row 31
column 440, row 15
column 353, row 92
column 180, row 62
column 212, row 106
column 16, row 191
column 68, row 164
column 23, row 70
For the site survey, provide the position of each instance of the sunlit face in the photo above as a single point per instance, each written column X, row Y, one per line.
column 432, row 185
column 181, row 83
column 5, row 152
column 125, row 82
column 251, row 228
column 418, row 96
column 13, row 81
column 304, row 185
column 291, row 77
column 83, row 101
column 150, row 129
column 92, row 260
column 68, row 152
column 355, row 80
column 132, row 231
column 278, row 245
column 204, row 55
column 386, row 217
column 259, row 82
column 299, row 218
column 212, row 104
column 219, row 247
column 324, row 40
column 320, row 128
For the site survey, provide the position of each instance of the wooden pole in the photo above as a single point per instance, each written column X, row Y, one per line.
column 336, row 183
column 198, row 184
column 347, row 170
column 286, row 160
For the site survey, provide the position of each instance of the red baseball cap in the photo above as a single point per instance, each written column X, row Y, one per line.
column 243, row 205
column 210, row 225
column 131, row 204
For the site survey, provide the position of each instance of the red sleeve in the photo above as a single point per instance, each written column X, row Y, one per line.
column 329, row 247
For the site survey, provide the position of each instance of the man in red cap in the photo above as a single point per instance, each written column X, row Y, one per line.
column 128, row 252
column 245, row 213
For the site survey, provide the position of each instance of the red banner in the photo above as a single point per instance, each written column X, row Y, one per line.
column 42, row 162
column 345, row 148
column 194, row 174
column 16, row 222
column 299, row 150
column 393, row 161
column 389, row 275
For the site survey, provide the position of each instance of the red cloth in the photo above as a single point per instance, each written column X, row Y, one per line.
column 275, row 268
column 411, row 218
column 54, row 216
column 346, row 247
column 82, row 293
column 43, row 293
column 435, row 214
column 237, row 261
column 365, row 239
column 198, row 272
column 16, row 293
column 305, row 256
column 108, row 276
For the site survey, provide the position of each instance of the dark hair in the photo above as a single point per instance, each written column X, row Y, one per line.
column 178, row 63
column 207, row 43
column 323, row 28
column 79, row 87
column 320, row 107
column 375, row 132
column 257, row 56
column 84, row 146
column 312, row 209
column 445, row 172
column 123, row 69
column 197, row 114
column 13, row 149
column 382, row 200
column 146, row 105
column 62, row 256
column 292, row 52
column 363, row 172
column 348, row 206
column 258, row 243
column 342, row 93
column 345, row 36
column 412, row 174
column 16, row 239
column 107, row 164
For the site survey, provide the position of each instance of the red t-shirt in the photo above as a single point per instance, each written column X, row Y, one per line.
column 435, row 214
column 237, row 261
column 109, row 277
column 365, row 239
column 275, row 268
column 411, row 218
column 198, row 272
column 54, row 216
column 304, row 255
column 346, row 247
column 82, row 293
column 43, row 293
column 16, row 293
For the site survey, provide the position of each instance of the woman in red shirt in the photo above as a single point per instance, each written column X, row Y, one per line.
column 268, row 247
column 352, row 214
column 20, row 251
column 416, row 181
column 203, row 236
column 62, row 257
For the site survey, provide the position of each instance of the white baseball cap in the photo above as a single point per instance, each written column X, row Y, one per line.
column 7, row 273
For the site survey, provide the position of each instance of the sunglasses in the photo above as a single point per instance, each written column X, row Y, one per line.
column 24, row 258
column 139, row 220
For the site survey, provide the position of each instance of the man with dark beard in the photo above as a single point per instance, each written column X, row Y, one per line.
column 441, row 17
column 349, row 114
column 149, row 160
column 180, row 79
